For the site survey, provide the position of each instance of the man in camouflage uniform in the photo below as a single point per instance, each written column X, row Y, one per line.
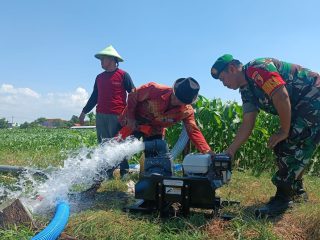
column 291, row 92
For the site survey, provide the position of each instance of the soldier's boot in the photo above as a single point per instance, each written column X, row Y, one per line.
column 277, row 204
column 300, row 195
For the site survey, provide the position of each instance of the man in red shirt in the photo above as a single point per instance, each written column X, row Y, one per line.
column 160, row 106
column 109, row 95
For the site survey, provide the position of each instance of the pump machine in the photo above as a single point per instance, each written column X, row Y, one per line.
column 158, row 189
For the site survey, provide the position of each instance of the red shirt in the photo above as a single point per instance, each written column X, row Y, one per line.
column 150, row 105
column 112, row 95
column 110, row 92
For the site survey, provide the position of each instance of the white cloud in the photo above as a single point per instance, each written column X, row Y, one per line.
column 15, row 92
column 80, row 96
column 24, row 104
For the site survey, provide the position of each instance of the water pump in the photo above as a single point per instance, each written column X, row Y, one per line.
column 158, row 189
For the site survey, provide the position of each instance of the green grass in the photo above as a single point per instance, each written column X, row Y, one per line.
column 114, row 224
column 16, row 232
column 41, row 147
column 106, row 220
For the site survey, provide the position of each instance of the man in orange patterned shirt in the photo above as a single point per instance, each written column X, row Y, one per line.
column 160, row 106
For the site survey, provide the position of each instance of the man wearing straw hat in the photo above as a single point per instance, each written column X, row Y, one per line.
column 109, row 95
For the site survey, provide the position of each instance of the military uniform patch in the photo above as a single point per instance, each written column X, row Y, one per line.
column 257, row 78
column 271, row 84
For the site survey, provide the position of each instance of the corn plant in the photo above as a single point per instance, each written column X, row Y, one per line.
column 218, row 122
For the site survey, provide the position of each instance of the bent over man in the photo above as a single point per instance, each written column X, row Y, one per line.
column 293, row 93
column 159, row 106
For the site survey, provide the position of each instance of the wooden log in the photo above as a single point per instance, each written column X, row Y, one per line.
column 12, row 212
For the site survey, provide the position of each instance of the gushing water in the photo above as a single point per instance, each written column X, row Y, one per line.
column 80, row 169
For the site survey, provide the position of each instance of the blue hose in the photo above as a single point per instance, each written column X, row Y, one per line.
column 57, row 224
column 60, row 220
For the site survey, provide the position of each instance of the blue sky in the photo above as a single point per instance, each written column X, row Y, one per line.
column 47, row 47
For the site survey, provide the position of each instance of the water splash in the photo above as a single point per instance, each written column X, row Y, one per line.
column 81, row 168
column 2, row 192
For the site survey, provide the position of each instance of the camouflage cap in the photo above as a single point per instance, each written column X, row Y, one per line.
column 220, row 65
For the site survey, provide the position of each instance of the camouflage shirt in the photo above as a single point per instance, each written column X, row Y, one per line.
column 266, row 75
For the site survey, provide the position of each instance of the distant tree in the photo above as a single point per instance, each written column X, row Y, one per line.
column 92, row 118
column 74, row 120
column 4, row 123
column 40, row 121
column 59, row 123
column 34, row 125
column 25, row 125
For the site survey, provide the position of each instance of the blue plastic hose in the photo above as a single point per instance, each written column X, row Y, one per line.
column 57, row 224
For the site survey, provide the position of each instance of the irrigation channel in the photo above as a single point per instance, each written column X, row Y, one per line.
column 52, row 192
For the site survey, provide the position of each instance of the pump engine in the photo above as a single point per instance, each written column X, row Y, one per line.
column 158, row 189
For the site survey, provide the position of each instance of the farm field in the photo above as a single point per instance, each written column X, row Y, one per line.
column 217, row 121
column 104, row 219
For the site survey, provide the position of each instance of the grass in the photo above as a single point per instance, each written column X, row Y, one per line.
column 16, row 232
column 106, row 220
column 41, row 147
column 114, row 224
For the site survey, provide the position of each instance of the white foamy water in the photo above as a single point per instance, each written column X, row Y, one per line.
column 2, row 191
column 77, row 170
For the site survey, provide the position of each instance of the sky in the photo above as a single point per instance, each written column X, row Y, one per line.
column 47, row 64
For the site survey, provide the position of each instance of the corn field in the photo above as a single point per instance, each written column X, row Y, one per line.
column 218, row 122
column 41, row 147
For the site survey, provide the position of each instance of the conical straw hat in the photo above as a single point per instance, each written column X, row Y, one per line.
column 109, row 51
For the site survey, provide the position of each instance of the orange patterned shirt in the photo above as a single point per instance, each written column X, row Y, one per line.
column 150, row 105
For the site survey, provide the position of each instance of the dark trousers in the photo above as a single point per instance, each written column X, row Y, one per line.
column 107, row 126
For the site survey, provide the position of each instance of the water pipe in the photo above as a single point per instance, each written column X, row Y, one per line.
column 18, row 170
column 7, row 168
column 180, row 144
column 60, row 219
column 57, row 224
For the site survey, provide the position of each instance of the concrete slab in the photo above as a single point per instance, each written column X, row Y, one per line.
column 13, row 212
